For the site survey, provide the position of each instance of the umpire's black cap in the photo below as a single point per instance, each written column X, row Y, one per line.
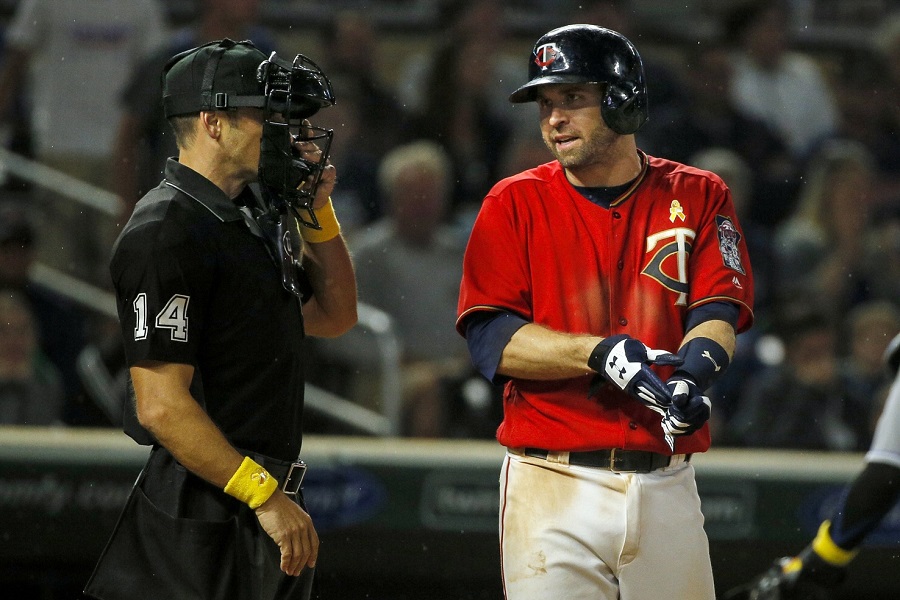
column 214, row 76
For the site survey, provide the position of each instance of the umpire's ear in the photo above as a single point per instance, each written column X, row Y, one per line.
column 210, row 123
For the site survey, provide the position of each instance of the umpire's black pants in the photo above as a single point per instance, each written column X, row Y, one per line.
column 180, row 537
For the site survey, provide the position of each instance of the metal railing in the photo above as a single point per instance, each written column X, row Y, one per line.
column 374, row 323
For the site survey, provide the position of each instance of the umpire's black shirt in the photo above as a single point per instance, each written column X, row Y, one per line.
column 195, row 286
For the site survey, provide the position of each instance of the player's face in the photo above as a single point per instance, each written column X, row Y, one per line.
column 572, row 125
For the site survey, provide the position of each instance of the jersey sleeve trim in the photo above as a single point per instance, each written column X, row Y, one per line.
column 745, row 319
column 460, row 321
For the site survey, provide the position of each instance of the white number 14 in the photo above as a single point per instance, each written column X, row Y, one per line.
column 173, row 317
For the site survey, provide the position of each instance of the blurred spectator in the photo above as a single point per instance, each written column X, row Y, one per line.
column 462, row 96
column 357, row 200
column 409, row 265
column 785, row 89
column 711, row 119
column 350, row 56
column 667, row 96
column 873, row 116
column 799, row 402
column 458, row 114
column 144, row 139
column 819, row 249
column 73, row 57
column 523, row 153
column 61, row 327
column 482, row 20
column 881, row 255
column 738, row 176
column 30, row 388
column 869, row 327
column 367, row 119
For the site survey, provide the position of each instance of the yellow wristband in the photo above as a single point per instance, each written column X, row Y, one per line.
column 327, row 221
column 251, row 484
column 827, row 550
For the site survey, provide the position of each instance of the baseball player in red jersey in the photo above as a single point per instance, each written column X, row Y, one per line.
column 575, row 273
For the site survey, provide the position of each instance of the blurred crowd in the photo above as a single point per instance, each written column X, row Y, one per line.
column 808, row 142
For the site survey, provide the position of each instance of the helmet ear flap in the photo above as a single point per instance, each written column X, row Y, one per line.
column 624, row 110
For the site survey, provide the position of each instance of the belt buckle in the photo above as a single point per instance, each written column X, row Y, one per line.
column 294, row 478
column 612, row 463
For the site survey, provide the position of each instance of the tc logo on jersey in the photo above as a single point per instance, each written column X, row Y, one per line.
column 728, row 244
column 548, row 54
column 675, row 243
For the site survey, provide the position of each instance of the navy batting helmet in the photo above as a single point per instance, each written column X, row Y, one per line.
column 591, row 54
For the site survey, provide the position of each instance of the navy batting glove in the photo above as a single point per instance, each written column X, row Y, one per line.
column 689, row 409
column 624, row 362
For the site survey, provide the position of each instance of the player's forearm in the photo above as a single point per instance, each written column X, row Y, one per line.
column 332, row 310
column 535, row 352
column 718, row 331
column 873, row 493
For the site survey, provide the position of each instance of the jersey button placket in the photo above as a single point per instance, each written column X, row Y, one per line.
column 616, row 228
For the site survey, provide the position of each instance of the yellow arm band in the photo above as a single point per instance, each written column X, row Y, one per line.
column 251, row 484
column 327, row 221
column 830, row 552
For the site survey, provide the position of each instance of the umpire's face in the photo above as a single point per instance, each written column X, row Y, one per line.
column 240, row 141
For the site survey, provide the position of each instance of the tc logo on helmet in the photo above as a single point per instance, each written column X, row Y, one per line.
column 545, row 55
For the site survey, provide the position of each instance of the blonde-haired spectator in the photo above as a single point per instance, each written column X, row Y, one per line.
column 409, row 264
column 819, row 249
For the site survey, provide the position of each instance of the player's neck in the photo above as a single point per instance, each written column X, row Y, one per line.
column 619, row 164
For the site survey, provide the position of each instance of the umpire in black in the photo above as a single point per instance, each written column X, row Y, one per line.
column 214, row 342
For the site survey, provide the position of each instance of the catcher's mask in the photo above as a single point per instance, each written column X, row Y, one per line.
column 294, row 91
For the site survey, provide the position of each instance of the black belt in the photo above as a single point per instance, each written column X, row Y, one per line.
column 288, row 474
column 615, row 459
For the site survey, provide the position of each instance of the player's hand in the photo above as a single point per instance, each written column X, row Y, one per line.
column 625, row 362
column 689, row 409
column 292, row 529
column 802, row 577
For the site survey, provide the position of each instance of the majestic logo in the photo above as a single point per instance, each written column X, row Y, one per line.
column 672, row 243
column 729, row 237
column 546, row 55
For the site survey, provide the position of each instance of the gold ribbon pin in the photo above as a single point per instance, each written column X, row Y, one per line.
column 676, row 211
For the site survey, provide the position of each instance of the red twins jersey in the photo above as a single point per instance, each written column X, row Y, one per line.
column 541, row 250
